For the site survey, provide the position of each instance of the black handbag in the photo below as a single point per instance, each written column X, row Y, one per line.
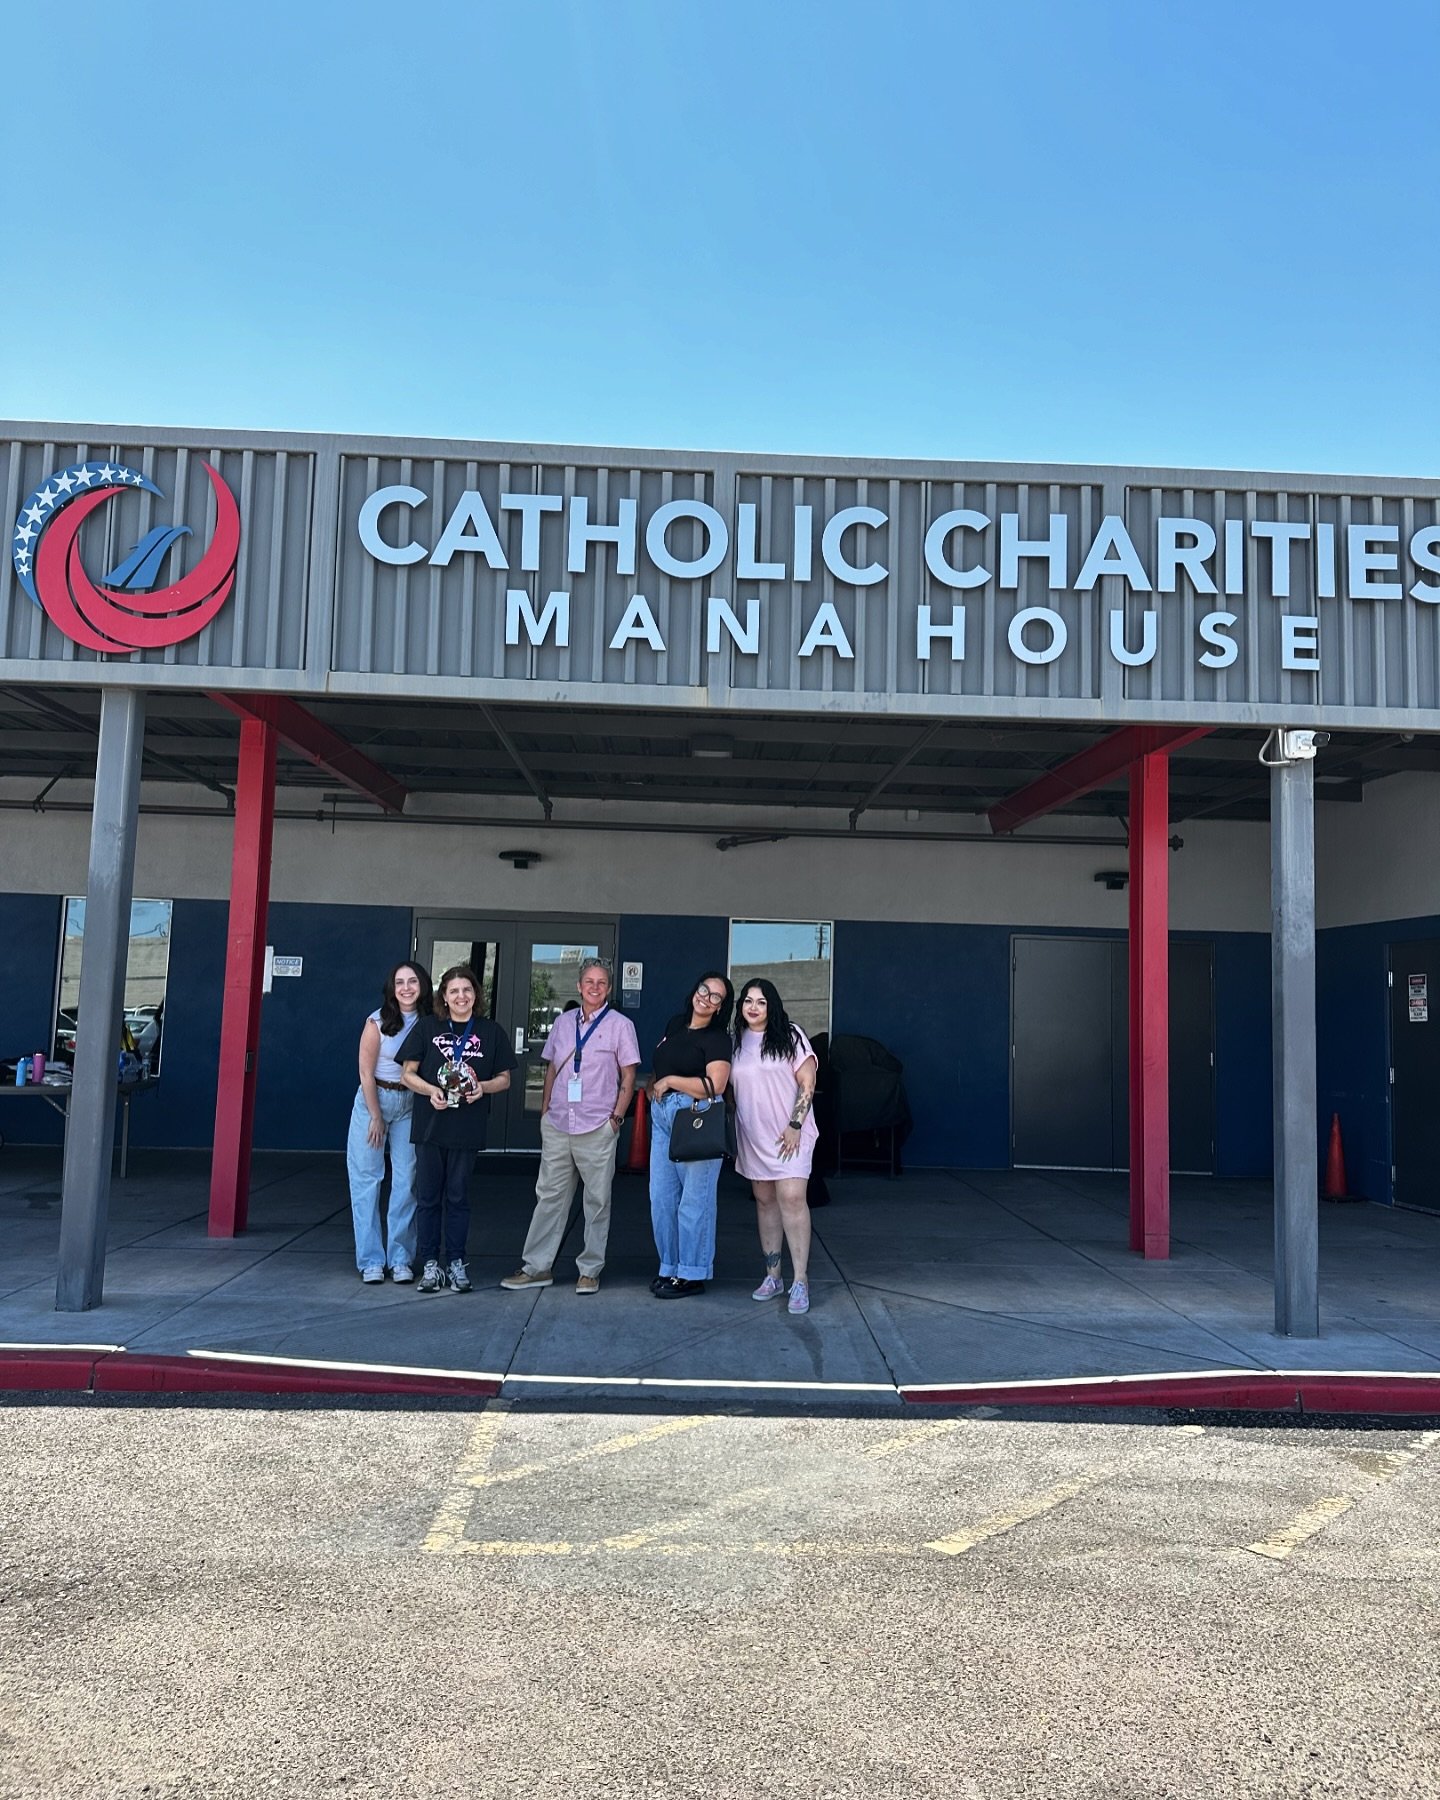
column 704, row 1131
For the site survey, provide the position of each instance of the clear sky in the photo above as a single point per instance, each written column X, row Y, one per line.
column 1100, row 230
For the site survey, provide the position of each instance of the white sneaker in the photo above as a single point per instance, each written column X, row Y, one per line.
column 402, row 1272
column 373, row 1273
column 459, row 1277
column 432, row 1279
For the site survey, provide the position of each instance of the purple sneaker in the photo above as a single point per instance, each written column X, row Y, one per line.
column 769, row 1288
column 799, row 1297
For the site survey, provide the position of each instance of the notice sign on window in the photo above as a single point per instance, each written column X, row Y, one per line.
column 1419, row 986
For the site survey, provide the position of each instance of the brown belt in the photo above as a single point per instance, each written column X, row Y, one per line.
column 395, row 1087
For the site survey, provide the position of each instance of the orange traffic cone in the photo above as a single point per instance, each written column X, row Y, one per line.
column 638, row 1160
column 1335, row 1186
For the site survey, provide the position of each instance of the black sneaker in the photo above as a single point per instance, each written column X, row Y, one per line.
column 677, row 1289
column 432, row 1280
column 458, row 1276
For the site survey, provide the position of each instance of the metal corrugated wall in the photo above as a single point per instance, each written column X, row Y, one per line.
column 313, row 611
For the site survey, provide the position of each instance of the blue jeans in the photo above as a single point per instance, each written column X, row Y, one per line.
column 367, row 1169
column 682, row 1199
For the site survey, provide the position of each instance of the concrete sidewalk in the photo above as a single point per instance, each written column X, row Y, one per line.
column 942, row 1277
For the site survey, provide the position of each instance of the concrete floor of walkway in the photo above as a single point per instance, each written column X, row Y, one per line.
column 941, row 1276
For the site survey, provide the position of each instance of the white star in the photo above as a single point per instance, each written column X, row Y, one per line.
column 84, row 477
column 35, row 514
column 22, row 562
column 24, row 533
column 107, row 473
column 47, row 497
column 65, row 484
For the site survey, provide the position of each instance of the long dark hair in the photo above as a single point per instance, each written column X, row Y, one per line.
column 721, row 1019
column 781, row 1037
column 392, row 1016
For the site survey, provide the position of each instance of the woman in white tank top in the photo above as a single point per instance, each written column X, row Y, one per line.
column 381, row 1116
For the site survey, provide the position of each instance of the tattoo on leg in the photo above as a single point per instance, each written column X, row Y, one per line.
column 772, row 1262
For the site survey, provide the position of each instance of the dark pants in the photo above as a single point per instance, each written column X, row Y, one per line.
column 442, row 1187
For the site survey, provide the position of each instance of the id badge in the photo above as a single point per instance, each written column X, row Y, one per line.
column 573, row 1090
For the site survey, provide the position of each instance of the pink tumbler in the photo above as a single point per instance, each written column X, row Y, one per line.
column 37, row 1066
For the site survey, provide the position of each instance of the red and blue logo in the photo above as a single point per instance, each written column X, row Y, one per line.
column 127, row 611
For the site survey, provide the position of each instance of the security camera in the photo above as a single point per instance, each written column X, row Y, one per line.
column 1300, row 746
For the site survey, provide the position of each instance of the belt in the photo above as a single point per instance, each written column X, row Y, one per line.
column 395, row 1087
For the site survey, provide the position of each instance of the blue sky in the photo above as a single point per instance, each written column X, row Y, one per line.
column 1165, row 233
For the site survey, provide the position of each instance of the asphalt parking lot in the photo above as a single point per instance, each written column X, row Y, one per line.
column 227, row 1599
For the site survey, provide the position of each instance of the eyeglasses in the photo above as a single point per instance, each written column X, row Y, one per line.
column 709, row 996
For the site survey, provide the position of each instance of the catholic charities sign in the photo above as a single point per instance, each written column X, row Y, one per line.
column 657, row 579
column 1150, row 571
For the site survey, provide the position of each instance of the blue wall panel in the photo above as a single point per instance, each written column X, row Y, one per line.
column 29, row 960
column 1353, row 1022
column 938, row 997
column 1244, row 1139
column 675, row 952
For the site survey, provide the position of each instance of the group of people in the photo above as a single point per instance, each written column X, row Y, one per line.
column 429, row 1067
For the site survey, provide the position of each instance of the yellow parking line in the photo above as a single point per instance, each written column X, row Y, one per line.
column 630, row 1440
column 473, row 1471
column 958, row 1542
column 922, row 1434
column 1302, row 1528
column 447, row 1528
column 1382, row 1466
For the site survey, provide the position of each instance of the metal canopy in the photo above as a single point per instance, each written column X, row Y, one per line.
column 576, row 753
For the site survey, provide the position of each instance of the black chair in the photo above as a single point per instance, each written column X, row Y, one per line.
column 866, row 1099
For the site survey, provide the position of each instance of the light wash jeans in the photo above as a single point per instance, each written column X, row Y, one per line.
column 682, row 1199
column 367, row 1169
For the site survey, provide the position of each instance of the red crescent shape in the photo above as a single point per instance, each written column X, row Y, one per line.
column 114, row 623
column 50, row 578
column 143, row 633
column 202, row 581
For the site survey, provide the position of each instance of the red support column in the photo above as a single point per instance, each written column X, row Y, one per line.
column 1150, row 1004
column 244, row 973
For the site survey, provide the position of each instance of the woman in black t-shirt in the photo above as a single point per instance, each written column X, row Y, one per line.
column 695, row 1051
column 454, row 1063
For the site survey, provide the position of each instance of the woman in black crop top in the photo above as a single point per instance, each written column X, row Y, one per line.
column 695, row 1049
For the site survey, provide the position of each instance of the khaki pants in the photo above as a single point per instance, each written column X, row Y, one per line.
column 587, row 1156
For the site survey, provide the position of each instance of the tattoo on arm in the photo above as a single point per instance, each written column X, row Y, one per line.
column 799, row 1110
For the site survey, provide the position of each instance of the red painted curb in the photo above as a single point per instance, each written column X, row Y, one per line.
column 49, row 1371
column 1264, row 1391
column 125, row 1372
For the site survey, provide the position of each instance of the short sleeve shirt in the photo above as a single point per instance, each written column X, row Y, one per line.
column 487, row 1054
column 610, row 1047
column 685, row 1052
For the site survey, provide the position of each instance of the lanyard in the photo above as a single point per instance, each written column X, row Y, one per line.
column 582, row 1041
column 461, row 1044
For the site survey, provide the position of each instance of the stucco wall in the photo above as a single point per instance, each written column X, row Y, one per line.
column 1220, row 879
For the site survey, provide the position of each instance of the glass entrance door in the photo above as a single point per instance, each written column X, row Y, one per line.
column 528, row 970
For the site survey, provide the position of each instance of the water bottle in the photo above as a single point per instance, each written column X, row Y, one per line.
column 22, row 1071
column 37, row 1066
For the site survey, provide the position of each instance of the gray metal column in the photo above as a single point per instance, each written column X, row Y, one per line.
column 90, row 1128
column 1292, row 978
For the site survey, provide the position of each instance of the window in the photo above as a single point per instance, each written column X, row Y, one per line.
column 146, row 967
column 795, row 956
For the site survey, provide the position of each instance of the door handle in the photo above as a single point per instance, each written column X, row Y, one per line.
column 519, row 1040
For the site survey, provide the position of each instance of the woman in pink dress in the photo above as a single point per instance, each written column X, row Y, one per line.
column 773, row 1080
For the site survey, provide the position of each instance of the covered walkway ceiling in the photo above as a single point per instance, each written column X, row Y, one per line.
column 855, row 765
